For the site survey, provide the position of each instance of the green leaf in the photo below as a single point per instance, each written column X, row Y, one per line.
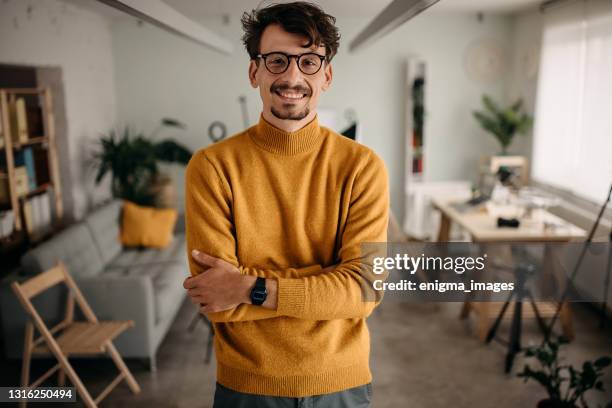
column 102, row 170
column 517, row 106
column 172, row 152
column 490, row 104
column 504, row 123
column 602, row 362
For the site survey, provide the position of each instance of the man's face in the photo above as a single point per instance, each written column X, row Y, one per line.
column 291, row 95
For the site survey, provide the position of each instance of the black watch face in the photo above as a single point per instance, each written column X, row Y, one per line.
column 258, row 297
column 259, row 293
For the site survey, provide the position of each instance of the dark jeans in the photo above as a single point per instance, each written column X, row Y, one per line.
column 358, row 397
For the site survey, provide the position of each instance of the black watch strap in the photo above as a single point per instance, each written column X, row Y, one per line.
column 259, row 293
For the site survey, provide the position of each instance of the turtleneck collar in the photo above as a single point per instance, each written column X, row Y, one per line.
column 278, row 141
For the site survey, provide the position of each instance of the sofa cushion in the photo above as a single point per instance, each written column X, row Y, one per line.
column 103, row 223
column 167, row 268
column 147, row 226
column 74, row 246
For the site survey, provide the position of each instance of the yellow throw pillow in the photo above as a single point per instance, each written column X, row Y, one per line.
column 147, row 226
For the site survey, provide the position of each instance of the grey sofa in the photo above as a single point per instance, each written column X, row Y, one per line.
column 144, row 285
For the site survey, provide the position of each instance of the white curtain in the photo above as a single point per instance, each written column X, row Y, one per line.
column 573, row 118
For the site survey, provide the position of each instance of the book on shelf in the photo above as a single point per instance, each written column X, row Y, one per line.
column 7, row 223
column 18, row 121
column 37, row 214
column 1, row 134
column 29, row 165
column 25, row 158
column 5, row 195
column 22, row 184
column 417, row 165
column 27, row 216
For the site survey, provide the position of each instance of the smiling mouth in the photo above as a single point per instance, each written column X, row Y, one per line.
column 290, row 95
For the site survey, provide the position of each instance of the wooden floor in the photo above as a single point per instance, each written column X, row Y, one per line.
column 422, row 356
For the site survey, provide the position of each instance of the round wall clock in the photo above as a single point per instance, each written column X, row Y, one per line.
column 485, row 61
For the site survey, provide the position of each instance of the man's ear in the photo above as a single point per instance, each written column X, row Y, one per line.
column 328, row 77
column 252, row 71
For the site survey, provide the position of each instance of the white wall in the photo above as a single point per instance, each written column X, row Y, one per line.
column 372, row 81
column 158, row 74
column 162, row 75
column 527, row 41
column 53, row 33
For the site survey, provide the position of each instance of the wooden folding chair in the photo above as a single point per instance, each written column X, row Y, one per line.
column 84, row 338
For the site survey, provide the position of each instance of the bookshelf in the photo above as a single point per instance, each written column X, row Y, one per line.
column 28, row 159
column 414, row 120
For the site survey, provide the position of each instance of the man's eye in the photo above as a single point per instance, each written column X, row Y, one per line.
column 310, row 62
column 277, row 61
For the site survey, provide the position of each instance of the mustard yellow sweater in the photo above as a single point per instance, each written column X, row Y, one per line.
column 284, row 206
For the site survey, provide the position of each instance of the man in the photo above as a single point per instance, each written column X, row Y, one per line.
column 276, row 216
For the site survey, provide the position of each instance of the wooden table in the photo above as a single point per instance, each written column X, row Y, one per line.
column 482, row 228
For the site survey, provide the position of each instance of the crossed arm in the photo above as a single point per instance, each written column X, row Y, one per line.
column 222, row 286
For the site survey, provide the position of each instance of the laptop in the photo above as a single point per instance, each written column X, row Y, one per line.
column 486, row 186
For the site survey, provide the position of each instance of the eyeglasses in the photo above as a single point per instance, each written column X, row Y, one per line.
column 278, row 62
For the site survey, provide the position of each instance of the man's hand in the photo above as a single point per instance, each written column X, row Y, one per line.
column 220, row 287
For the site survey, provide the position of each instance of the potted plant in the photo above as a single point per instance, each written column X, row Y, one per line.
column 565, row 384
column 133, row 160
column 503, row 123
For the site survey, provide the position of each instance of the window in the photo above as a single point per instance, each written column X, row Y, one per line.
column 573, row 128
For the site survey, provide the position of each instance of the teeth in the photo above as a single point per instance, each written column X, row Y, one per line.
column 291, row 95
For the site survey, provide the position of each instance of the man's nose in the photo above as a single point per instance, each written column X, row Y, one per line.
column 293, row 73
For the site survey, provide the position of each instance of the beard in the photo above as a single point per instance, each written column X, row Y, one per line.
column 289, row 111
column 288, row 114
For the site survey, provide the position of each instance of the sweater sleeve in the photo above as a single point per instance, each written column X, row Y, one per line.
column 346, row 292
column 209, row 228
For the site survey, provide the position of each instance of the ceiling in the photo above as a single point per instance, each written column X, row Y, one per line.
column 203, row 10
column 487, row 6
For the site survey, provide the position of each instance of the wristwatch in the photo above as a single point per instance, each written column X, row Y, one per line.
column 259, row 292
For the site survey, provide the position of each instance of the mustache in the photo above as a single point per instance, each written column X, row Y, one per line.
column 303, row 89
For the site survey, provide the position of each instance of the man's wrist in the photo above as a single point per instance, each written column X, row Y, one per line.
column 271, row 298
column 248, row 283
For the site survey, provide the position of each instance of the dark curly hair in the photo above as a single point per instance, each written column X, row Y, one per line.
column 299, row 17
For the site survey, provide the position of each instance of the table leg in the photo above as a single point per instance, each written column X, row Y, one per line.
column 444, row 231
column 567, row 324
column 515, row 336
column 465, row 310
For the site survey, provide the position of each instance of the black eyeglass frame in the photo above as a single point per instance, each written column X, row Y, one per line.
column 297, row 57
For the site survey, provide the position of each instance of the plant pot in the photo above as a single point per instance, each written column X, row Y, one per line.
column 555, row 403
column 164, row 193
